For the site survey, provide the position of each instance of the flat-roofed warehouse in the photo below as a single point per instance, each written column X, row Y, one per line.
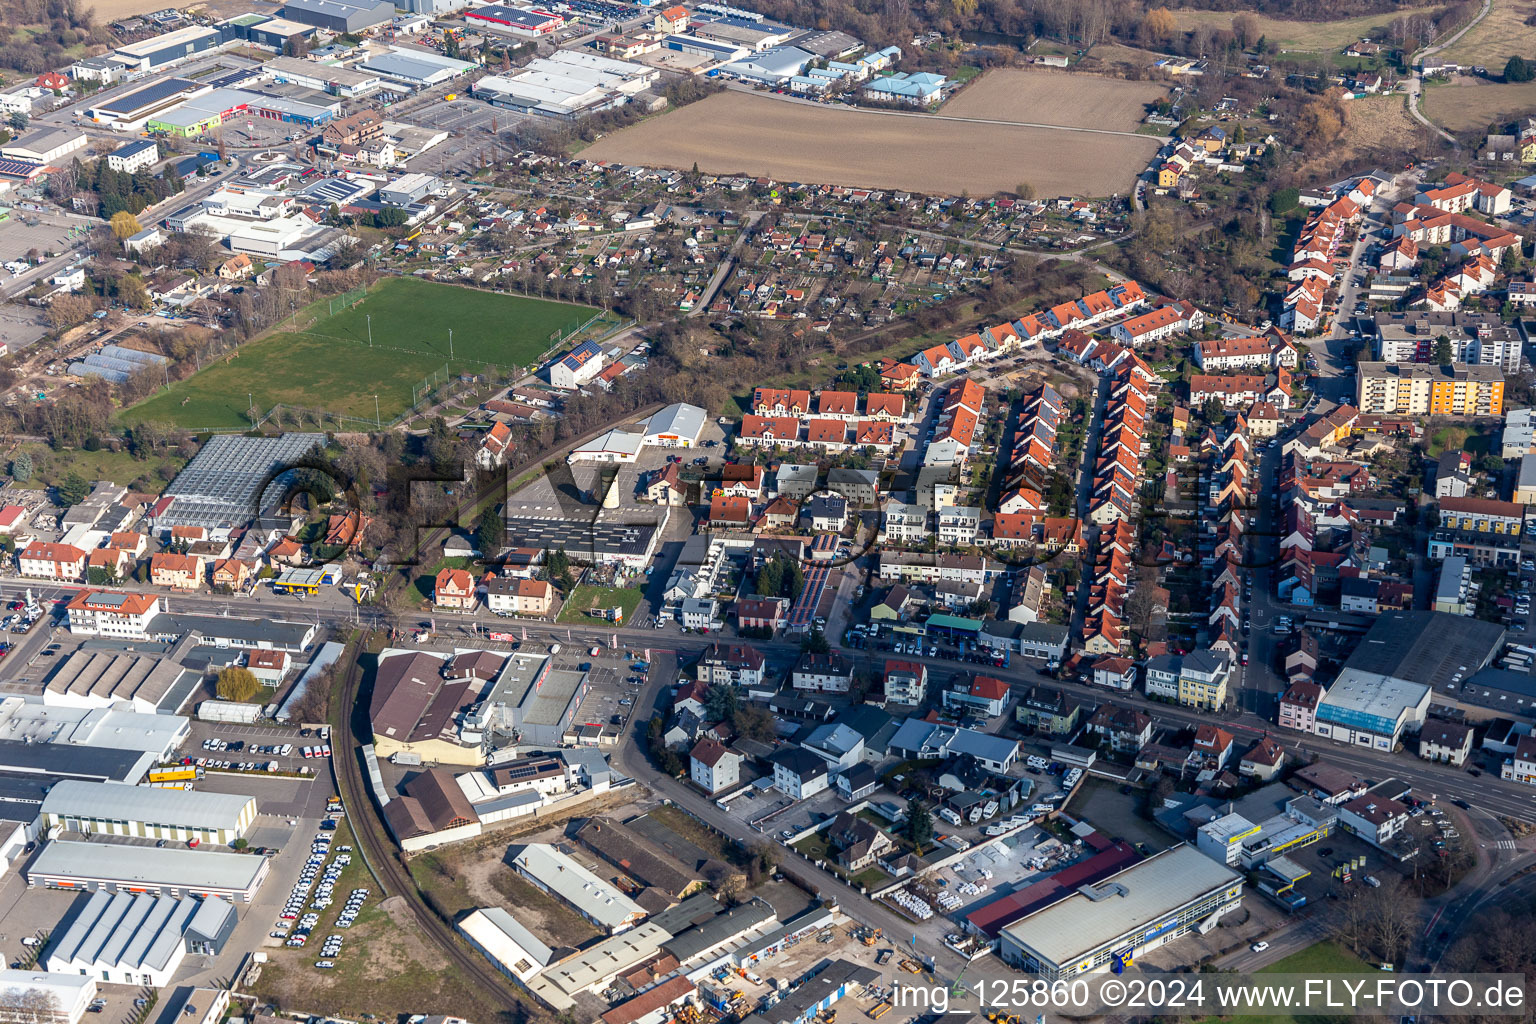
column 416, row 68
column 559, row 984
column 89, row 729
column 144, row 812
column 330, row 78
column 1433, row 648
column 70, row 993
column 159, row 51
column 91, row 764
column 160, row 871
column 133, row 108
column 599, row 543
column 339, row 15
column 1139, row 909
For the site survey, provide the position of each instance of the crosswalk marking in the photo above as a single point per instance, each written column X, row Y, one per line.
column 1506, row 844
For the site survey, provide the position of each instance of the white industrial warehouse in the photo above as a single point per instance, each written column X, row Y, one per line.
column 516, row 951
column 143, row 812
column 159, row 871
column 567, row 84
column 136, row 939
column 71, row 993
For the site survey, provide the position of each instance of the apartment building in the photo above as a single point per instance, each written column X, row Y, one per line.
column 1417, row 389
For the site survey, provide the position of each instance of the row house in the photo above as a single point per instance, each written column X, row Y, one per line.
column 1032, row 456
column 1301, row 270
column 1240, row 390
column 1460, row 193
column 826, row 435
column 1109, row 579
column 1032, row 330
column 914, row 567
column 1400, row 256
column 829, row 405
column 1466, row 235
column 1304, row 307
column 1118, row 467
column 958, row 422
column 1164, row 322
column 1223, row 355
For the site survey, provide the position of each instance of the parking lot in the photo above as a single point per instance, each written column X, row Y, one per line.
column 21, row 326
column 465, row 115
column 26, row 230
column 610, row 698
column 251, row 744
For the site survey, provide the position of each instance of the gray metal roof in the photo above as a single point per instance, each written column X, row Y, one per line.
column 279, row 635
column 1426, row 647
column 576, row 885
column 1071, row 928
column 148, row 866
column 679, row 418
column 720, row 928
column 119, row 802
column 128, row 931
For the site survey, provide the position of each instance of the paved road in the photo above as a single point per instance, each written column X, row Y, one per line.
column 726, row 265
column 1416, row 83
column 631, row 758
column 1075, row 256
column 785, row 98
column 1486, row 791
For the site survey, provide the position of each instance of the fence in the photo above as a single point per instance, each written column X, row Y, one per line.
column 347, row 299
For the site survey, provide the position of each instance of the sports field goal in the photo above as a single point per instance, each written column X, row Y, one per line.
column 346, row 300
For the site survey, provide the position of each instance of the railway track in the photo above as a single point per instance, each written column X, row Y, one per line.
column 490, row 987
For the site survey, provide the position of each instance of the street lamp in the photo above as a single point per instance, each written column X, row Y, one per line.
column 369, row 317
column 376, row 411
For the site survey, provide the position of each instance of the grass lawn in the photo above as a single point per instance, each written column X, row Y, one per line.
column 49, row 467
column 424, row 584
column 1323, row 958
column 584, row 598
column 385, row 966
column 332, row 366
column 1305, row 36
column 813, row 846
column 1498, row 37
column 871, row 878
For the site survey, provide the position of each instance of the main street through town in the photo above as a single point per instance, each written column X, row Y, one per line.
column 1444, row 782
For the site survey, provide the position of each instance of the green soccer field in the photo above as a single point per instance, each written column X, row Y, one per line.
column 331, row 365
